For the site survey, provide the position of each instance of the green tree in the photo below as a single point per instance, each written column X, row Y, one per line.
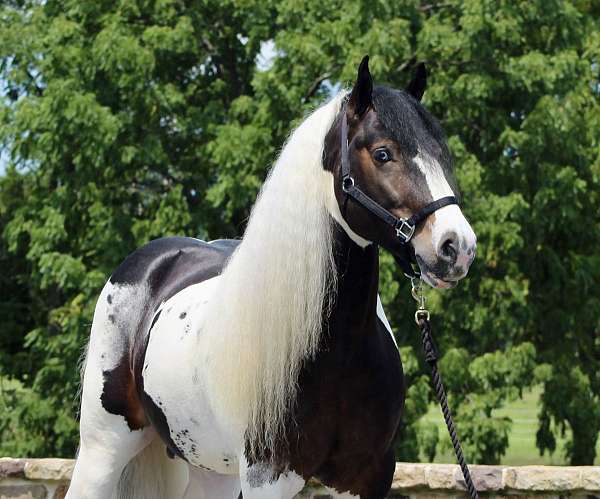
column 124, row 121
column 107, row 113
column 527, row 76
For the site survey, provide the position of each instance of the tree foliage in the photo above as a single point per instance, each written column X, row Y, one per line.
column 125, row 121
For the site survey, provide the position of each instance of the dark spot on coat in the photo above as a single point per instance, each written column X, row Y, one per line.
column 120, row 397
column 182, row 315
column 111, row 318
column 109, row 299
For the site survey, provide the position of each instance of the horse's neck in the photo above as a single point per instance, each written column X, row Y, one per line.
column 354, row 312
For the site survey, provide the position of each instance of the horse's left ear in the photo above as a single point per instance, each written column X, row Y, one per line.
column 416, row 87
column 361, row 97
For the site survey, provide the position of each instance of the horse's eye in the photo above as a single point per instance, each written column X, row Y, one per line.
column 382, row 155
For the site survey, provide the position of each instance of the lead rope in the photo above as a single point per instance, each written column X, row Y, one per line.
column 431, row 357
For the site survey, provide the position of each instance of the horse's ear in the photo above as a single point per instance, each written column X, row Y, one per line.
column 361, row 97
column 416, row 87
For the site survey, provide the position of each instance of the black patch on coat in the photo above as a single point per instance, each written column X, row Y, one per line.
column 182, row 315
column 158, row 263
column 120, row 397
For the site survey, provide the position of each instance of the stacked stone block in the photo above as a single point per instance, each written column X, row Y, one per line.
column 49, row 478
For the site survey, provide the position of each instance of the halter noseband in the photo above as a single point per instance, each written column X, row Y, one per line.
column 404, row 227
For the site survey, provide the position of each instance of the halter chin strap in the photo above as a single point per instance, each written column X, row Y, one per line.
column 404, row 227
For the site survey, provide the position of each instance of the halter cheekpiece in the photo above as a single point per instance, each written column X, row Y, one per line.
column 404, row 227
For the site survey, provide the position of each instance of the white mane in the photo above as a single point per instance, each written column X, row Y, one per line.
column 267, row 315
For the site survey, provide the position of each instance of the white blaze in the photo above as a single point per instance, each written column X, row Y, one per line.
column 449, row 218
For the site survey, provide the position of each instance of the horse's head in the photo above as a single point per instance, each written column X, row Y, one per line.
column 398, row 157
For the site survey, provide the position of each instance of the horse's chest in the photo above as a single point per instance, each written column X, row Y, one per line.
column 349, row 405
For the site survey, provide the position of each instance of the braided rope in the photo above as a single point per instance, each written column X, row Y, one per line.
column 431, row 357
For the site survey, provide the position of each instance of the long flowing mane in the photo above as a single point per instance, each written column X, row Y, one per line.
column 267, row 315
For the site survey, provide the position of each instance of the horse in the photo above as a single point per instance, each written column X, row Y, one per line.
column 242, row 368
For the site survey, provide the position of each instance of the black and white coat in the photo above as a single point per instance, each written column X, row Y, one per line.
column 253, row 365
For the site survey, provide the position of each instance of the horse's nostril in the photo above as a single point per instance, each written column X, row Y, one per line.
column 448, row 250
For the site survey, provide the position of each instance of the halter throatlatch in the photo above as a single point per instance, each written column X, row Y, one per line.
column 404, row 227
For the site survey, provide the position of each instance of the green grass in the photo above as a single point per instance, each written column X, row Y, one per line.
column 521, row 449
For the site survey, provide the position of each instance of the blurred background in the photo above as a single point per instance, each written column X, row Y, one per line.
column 126, row 120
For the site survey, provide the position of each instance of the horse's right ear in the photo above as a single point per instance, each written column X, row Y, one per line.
column 416, row 87
column 361, row 97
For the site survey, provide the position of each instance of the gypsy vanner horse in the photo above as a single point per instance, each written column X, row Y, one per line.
column 230, row 367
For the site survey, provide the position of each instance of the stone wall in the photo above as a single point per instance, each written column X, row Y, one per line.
column 48, row 479
column 34, row 478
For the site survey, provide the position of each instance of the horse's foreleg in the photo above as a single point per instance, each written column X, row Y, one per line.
column 260, row 481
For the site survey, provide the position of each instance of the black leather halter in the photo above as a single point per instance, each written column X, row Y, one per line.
column 404, row 227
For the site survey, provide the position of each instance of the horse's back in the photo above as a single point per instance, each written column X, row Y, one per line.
column 163, row 267
column 170, row 264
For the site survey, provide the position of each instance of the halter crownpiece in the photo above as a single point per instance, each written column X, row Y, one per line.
column 404, row 227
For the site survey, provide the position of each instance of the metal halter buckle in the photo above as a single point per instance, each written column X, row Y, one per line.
column 347, row 183
column 404, row 230
column 417, row 293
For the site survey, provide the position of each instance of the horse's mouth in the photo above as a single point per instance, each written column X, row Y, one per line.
column 437, row 282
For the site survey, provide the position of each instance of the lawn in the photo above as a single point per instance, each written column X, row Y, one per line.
column 522, row 449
